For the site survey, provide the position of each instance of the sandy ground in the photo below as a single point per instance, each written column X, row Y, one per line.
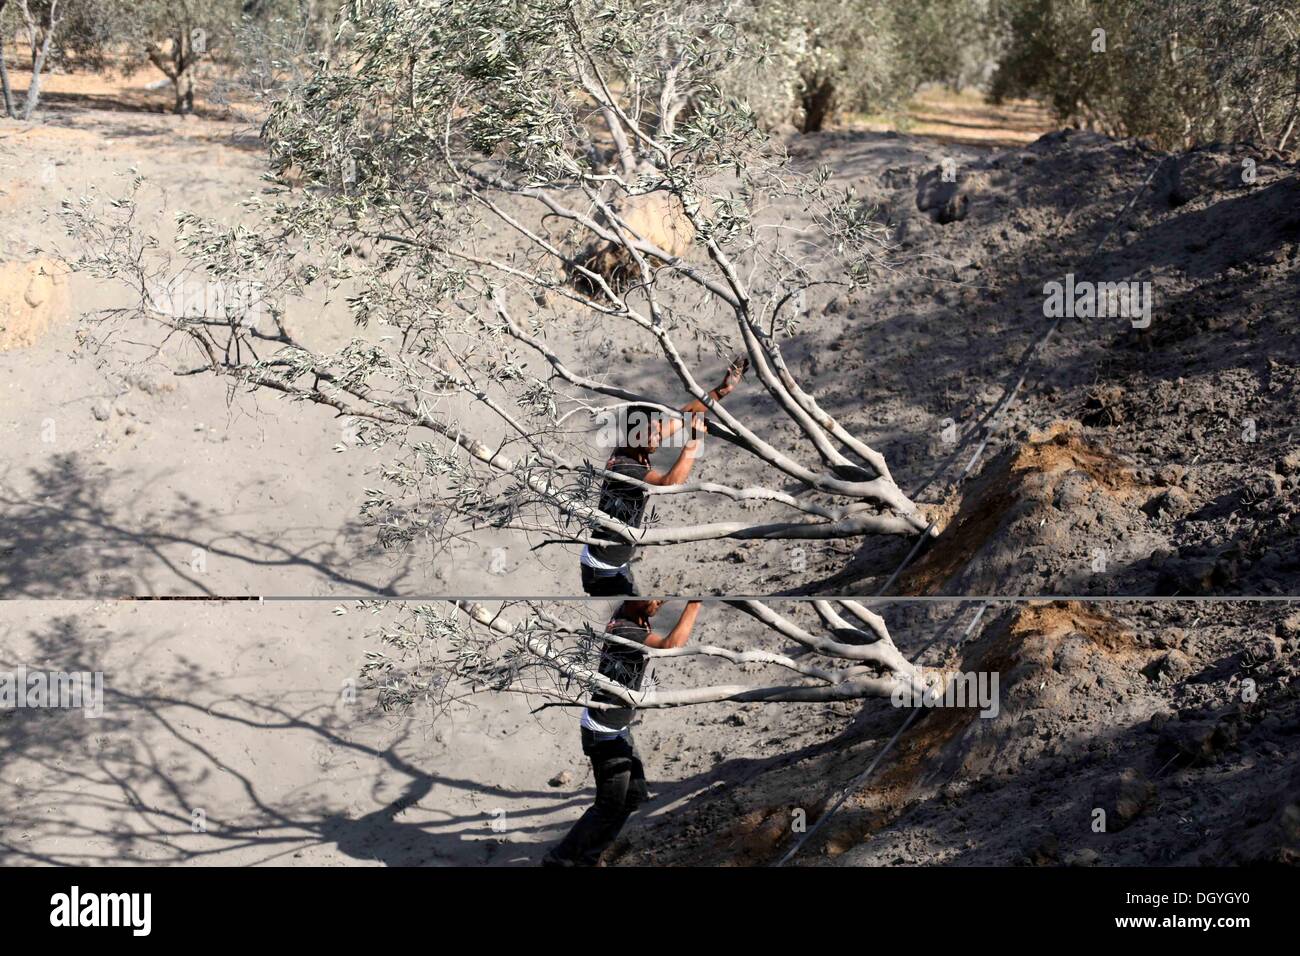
column 142, row 482
column 963, row 118
column 124, row 479
column 228, row 739
column 250, row 718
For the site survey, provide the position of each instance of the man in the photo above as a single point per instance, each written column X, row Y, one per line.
column 606, row 568
column 607, row 732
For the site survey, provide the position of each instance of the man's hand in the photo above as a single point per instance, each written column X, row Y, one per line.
column 735, row 372
column 696, row 408
column 699, row 426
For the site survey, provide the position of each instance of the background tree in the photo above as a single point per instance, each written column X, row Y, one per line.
column 176, row 37
column 490, row 183
column 41, row 21
column 953, row 42
column 254, row 44
column 1180, row 72
column 276, row 44
column 821, row 57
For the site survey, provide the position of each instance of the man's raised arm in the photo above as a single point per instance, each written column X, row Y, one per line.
column 681, row 631
column 681, row 468
column 730, row 379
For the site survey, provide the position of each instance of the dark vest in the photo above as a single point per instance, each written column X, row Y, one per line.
column 623, row 664
column 623, row 502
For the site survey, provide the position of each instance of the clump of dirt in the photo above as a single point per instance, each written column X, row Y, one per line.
column 945, row 193
column 33, row 295
column 1051, row 621
column 1023, row 502
column 1209, row 385
column 945, row 747
column 754, row 839
column 1098, row 757
column 656, row 217
column 1063, row 447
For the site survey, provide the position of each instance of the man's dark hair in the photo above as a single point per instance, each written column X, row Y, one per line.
column 636, row 423
column 635, row 608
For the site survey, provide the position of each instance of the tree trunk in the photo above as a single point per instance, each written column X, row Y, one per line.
column 184, row 84
column 183, row 60
column 34, row 90
column 5, row 90
column 817, row 99
column 4, row 82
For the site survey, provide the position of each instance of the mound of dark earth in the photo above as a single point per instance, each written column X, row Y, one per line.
column 1200, row 407
column 1054, row 508
column 1174, row 727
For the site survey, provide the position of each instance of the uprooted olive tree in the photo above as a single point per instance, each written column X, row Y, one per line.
column 437, row 654
column 507, row 193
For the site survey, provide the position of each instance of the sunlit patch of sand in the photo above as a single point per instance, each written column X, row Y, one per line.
column 965, row 118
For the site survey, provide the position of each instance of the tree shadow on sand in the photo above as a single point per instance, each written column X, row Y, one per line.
column 148, row 782
column 62, row 539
